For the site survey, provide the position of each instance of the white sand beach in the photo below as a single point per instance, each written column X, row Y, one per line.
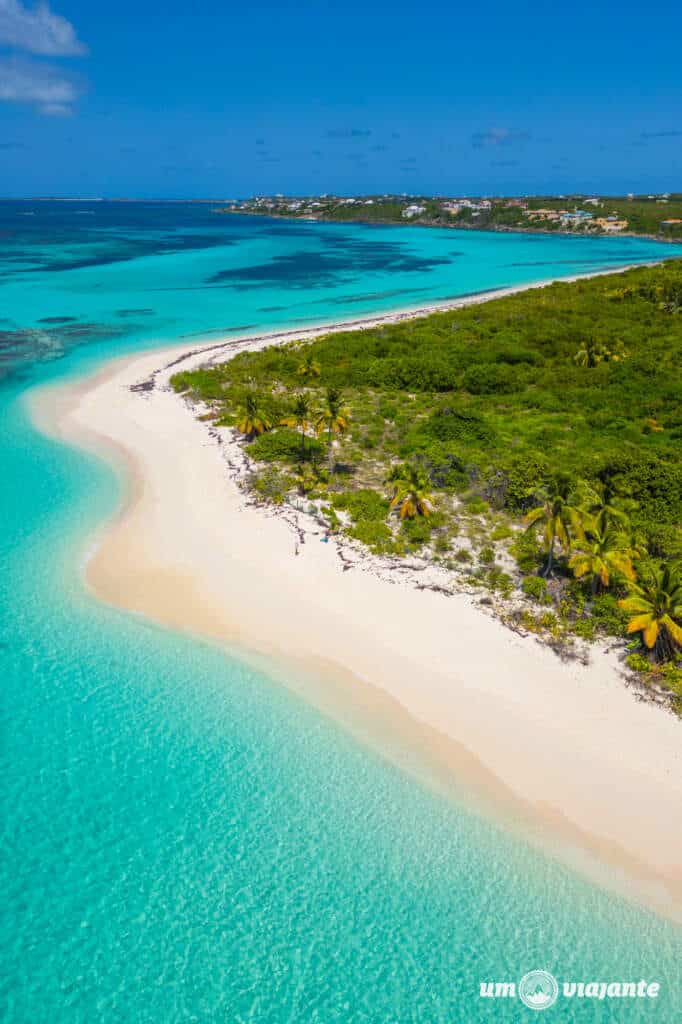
column 563, row 751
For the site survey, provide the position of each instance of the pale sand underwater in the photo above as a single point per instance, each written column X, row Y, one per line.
column 562, row 751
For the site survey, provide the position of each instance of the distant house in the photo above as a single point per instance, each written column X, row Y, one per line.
column 413, row 211
column 670, row 222
column 576, row 218
column 551, row 215
column 611, row 224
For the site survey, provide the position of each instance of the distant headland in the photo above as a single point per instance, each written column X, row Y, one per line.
column 656, row 215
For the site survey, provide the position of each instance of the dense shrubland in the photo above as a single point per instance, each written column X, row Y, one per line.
column 532, row 445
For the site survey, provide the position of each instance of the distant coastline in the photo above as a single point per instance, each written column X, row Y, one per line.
column 493, row 228
column 658, row 218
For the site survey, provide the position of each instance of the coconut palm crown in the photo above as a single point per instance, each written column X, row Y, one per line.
column 253, row 422
column 603, row 553
column 411, row 494
column 309, row 367
column 332, row 418
column 300, row 418
column 656, row 610
column 559, row 517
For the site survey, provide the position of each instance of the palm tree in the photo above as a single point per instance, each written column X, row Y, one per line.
column 300, row 419
column 672, row 298
column 588, row 354
column 601, row 501
column 309, row 478
column 561, row 518
column 602, row 554
column 253, row 422
column 592, row 353
column 333, row 419
column 309, row 367
column 656, row 607
column 411, row 495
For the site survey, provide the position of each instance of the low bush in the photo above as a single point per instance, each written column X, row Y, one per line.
column 442, row 543
column 284, row 445
column 417, row 531
column 526, row 551
column 490, row 378
column 270, row 484
column 536, row 588
column 476, row 505
column 457, row 424
column 376, row 535
column 362, row 506
column 638, row 662
column 499, row 581
column 608, row 617
column 585, row 628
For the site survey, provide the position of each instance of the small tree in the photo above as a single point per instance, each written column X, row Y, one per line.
column 656, row 609
column 309, row 368
column 309, row 478
column 253, row 422
column 602, row 554
column 300, row 418
column 411, row 495
column 332, row 419
column 591, row 353
column 558, row 516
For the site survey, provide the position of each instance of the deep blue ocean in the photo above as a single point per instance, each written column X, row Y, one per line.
column 183, row 838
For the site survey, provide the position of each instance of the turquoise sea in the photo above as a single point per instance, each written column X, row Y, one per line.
column 184, row 839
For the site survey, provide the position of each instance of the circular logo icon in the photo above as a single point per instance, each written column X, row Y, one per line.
column 538, row 990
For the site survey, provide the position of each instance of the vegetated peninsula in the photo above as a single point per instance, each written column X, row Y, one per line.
column 656, row 216
column 530, row 446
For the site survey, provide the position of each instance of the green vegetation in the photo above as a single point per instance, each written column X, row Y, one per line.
column 479, row 440
column 253, row 423
column 300, row 417
column 559, row 518
column 332, row 419
column 411, row 491
column 657, row 216
column 656, row 609
column 602, row 552
column 536, row 588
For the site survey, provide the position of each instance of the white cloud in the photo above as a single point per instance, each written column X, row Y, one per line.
column 43, row 85
column 38, row 30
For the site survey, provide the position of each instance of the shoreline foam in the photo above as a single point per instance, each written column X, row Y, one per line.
column 563, row 753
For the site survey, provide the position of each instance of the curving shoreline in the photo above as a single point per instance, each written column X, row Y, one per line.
column 563, row 752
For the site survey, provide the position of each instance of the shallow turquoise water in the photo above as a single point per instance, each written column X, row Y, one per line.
column 184, row 839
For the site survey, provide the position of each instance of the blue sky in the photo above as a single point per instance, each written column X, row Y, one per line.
column 215, row 99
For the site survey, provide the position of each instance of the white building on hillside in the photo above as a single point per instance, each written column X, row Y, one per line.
column 413, row 211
